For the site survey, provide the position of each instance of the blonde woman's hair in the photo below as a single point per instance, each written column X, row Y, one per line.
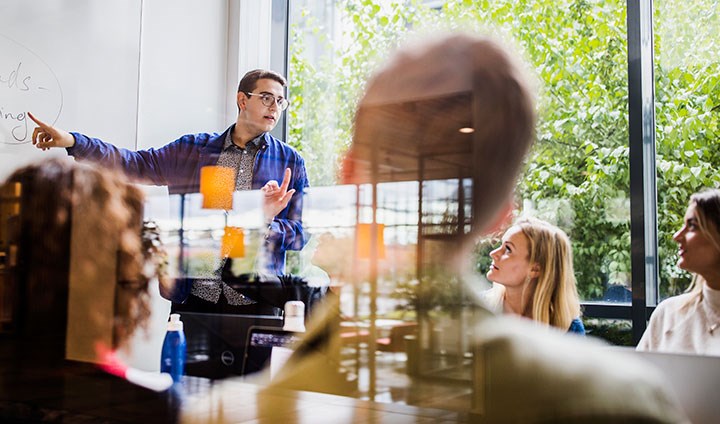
column 555, row 299
column 707, row 214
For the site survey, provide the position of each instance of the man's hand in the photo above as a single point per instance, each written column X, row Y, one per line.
column 46, row 136
column 276, row 198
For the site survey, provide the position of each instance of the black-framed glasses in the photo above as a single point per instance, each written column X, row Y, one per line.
column 268, row 100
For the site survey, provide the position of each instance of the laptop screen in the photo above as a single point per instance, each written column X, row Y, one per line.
column 268, row 346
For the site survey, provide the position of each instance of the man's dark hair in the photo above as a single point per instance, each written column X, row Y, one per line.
column 249, row 81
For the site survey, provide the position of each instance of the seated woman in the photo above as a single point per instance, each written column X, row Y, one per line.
column 689, row 323
column 81, row 267
column 533, row 272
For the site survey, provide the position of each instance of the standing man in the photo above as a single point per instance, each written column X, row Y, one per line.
column 260, row 160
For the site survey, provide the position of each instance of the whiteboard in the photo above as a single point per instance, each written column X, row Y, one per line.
column 134, row 73
column 183, row 70
column 74, row 63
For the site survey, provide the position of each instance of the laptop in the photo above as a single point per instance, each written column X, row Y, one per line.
column 694, row 379
column 216, row 342
column 268, row 347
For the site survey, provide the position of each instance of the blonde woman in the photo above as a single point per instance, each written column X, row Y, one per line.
column 690, row 322
column 533, row 274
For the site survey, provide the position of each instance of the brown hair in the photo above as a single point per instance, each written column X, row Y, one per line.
column 707, row 212
column 707, row 209
column 112, row 207
column 249, row 81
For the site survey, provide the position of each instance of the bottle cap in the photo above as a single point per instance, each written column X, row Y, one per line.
column 175, row 324
column 294, row 316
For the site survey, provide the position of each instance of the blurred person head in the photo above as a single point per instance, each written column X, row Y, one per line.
column 699, row 240
column 408, row 128
column 453, row 106
column 535, row 262
column 52, row 192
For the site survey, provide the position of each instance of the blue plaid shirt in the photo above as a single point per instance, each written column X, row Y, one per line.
column 177, row 165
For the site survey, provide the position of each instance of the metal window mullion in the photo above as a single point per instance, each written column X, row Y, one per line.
column 643, row 196
column 281, row 29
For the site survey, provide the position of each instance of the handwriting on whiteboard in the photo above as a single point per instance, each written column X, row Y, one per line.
column 27, row 83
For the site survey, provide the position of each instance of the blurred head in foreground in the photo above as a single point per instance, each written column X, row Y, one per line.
column 79, row 226
column 457, row 106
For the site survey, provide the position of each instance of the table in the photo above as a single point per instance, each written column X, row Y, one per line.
column 34, row 390
column 238, row 401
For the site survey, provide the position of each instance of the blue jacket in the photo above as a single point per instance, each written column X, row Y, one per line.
column 177, row 165
column 577, row 327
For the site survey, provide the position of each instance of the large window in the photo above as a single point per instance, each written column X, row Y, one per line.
column 578, row 175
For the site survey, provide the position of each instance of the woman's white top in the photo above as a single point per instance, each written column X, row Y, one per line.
column 678, row 328
column 493, row 299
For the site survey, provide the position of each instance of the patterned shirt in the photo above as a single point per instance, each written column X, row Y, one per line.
column 243, row 160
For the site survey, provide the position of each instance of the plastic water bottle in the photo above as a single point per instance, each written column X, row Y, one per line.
column 173, row 349
column 294, row 316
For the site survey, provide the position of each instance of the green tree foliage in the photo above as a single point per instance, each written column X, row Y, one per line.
column 578, row 175
column 327, row 75
column 687, row 98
